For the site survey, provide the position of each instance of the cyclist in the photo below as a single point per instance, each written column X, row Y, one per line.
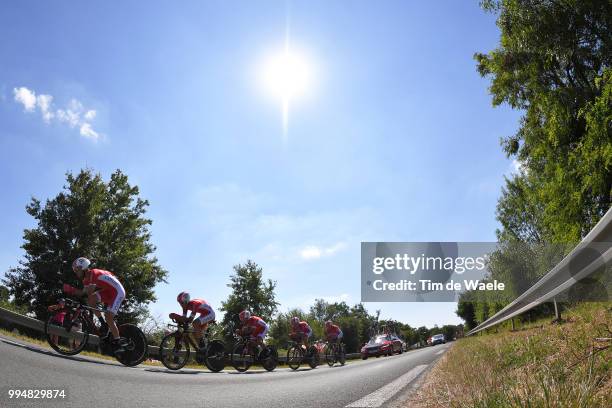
column 100, row 286
column 254, row 327
column 333, row 332
column 195, row 306
column 300, row 331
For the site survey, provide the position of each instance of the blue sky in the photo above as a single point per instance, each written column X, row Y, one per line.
column 395, row 140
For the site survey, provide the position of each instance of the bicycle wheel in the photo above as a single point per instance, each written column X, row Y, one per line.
column 330, row 354
column 313, row 357
column 295, row 354
column 67, row 338
column 242, row 357
column 137, row 349
column 341, row 354
column 174, row 351
column 271, row 360
column 215, row 356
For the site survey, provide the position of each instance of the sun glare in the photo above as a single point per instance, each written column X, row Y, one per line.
column 286, row 76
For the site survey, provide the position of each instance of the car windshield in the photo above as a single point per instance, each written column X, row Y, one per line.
column 438, row 336
column 377, row 340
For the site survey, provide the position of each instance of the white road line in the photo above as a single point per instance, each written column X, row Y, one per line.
column 440, row 352
column 378, row 397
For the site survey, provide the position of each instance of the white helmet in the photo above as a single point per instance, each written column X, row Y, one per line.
column 80, row 264
column 295, row 320
column 244, row 315
column 183, row 298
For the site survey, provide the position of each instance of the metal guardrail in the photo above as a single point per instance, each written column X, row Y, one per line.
column 35, row 324
column 577, row 265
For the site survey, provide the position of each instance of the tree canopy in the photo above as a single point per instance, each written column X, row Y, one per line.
column 104, row 221
column 249, row 292
column 553, row 63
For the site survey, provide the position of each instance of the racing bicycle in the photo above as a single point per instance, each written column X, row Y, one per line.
column 335, row 353
column 174, row 349
column 246, row 352
column 69, row 327
column 298, row 354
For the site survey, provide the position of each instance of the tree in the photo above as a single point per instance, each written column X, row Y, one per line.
column 4, row 294
column 249, row 292
column 102, row 221
column 554, row 63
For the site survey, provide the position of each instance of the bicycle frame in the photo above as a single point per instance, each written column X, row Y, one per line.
column 185, row 332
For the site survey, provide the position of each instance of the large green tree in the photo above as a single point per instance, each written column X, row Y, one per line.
column 249, row 292
column 104, row 221
column 554, row 64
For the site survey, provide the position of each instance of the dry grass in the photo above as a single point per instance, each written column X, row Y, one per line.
column 557, row 365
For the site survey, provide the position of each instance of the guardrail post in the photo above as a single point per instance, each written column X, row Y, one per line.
column 557, row 314
column 512, row 320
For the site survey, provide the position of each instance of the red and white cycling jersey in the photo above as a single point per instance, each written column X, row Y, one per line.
column 199, row 306
column 207, row 314
column 110, row 291
column 258, row 327
column 303, row 328
column 333, row 331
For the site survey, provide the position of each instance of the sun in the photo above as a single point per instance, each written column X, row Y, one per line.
column 286, row 76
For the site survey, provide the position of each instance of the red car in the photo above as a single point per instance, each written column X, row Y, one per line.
column 382, row 345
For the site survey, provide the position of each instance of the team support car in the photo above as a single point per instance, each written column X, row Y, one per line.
column 438, row 339
column 382, row 345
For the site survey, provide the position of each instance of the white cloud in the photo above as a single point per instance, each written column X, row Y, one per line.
column 87, row 131
column 74, row 115
column 26, row 97
column 90, row 115
column 311, row 252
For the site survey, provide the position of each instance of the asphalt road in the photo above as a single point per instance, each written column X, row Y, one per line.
column 99, row 383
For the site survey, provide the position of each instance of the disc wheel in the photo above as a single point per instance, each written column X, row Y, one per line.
column 67, row 338
column 137, row 349
column 271, row 360
column 173, row 351
column 215, row 356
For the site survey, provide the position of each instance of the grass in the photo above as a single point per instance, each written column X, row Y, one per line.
column 553, row 365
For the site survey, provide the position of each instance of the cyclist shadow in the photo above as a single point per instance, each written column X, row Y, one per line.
column 166, row 371
column 54, row 354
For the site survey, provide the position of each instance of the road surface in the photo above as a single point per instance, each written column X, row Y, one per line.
column 100, row 383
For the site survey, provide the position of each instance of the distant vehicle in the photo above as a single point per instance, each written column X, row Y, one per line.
column 382, row 345
column 438, row 339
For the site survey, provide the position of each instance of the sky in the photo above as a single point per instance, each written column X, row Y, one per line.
column 391, row 137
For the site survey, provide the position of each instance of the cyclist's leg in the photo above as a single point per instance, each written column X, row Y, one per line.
column 113, row 304
column 201, row 323
column 92, row 301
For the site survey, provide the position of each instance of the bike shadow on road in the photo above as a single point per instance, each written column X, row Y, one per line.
column 54, row 354
column 166, row 371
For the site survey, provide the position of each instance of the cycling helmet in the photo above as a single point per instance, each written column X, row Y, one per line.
column 295, row 320
column 79, row 265
column 183, row 298
column 244, row 315
column 328, row 323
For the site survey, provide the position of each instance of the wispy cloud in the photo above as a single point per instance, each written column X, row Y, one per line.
column 74, row 114
column 311, row 252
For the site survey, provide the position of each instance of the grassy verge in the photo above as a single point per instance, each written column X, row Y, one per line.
column 555, row 365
